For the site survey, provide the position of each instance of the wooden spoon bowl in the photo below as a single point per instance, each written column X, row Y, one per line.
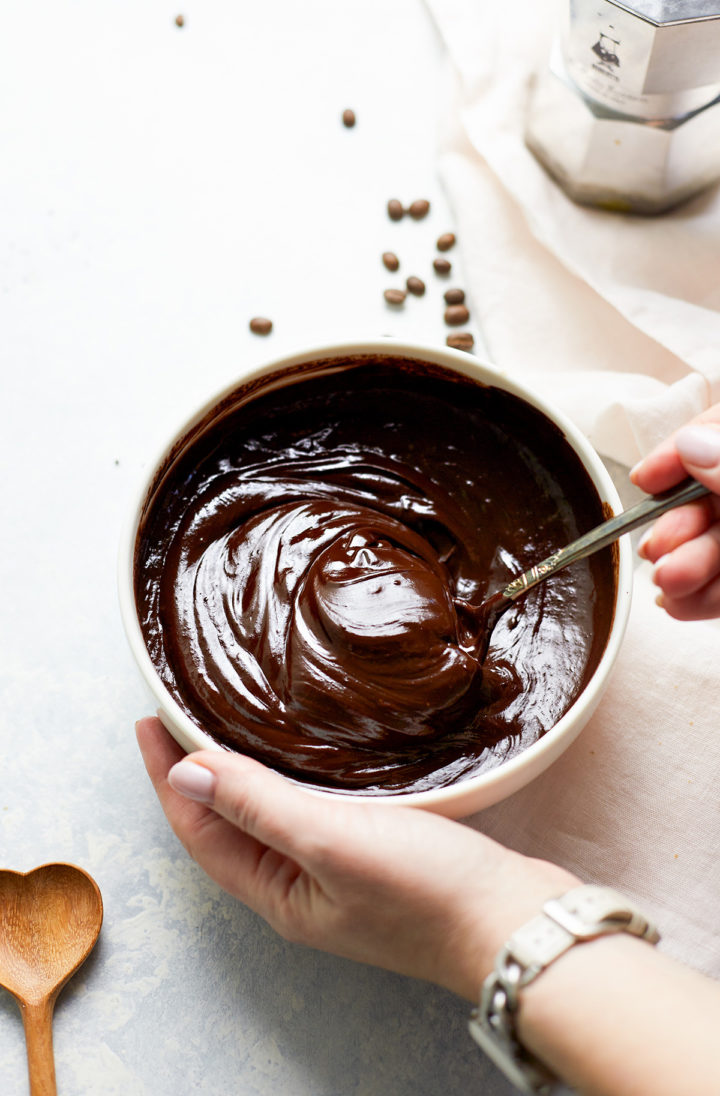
column 50, row 919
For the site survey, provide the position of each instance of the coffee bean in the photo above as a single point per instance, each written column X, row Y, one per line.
column 390, row 260
column 442, row 266
column 419, row 209
column 415, row 286
column 455, row 314
column 455, row 296
column 179, row 20
column 260, row 326
column 395, row 296
column 348, row 118
column 395, row 210
column 460, row 340
column 446, row 241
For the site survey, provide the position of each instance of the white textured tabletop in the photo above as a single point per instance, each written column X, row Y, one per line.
column 159, row 186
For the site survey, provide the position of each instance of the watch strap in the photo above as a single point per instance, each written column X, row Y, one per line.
column 583, row 913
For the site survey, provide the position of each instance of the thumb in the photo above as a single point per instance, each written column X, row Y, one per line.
column 699, row 449
column 263, row 804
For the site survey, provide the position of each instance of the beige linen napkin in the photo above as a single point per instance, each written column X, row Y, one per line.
column 616, row 319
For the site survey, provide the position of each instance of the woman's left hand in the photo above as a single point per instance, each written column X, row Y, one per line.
column 392, row 886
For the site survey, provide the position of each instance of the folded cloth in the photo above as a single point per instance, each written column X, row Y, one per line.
column 616, row 318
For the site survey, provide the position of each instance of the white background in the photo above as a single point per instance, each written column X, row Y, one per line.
column 158, row 187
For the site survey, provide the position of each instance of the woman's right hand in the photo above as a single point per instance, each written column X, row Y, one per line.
column 684, row 544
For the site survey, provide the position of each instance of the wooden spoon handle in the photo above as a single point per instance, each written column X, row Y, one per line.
column 37, row 1020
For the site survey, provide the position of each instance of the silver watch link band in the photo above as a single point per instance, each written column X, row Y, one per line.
column 584, row 913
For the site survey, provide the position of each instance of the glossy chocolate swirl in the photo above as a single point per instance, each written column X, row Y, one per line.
column 311, row 564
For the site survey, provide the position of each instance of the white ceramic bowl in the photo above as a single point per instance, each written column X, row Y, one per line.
column 469, row 794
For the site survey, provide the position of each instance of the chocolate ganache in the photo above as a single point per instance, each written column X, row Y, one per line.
column 312, row 559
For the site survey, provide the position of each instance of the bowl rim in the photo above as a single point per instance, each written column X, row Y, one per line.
column 502, row 779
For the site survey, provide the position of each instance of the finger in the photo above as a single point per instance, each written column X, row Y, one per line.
column 699, row 450
column 228, row 857
column 317, row 848
column 691, row 567
column 281, row 849
column 160, row 752
column 675, row 528
column 703, row 605
column 261, row 803
column 663, row 467
column 660, row 470
column 159, row 749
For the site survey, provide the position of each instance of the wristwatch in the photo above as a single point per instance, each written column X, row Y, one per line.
column 584, row 913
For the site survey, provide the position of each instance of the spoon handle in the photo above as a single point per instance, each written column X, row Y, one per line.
column 37, row 1021
column 602, row 535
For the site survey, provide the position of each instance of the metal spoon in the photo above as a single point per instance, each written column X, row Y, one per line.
column 599, row 537
column 49, row 921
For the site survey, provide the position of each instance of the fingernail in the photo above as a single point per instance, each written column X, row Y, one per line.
column 643, row 543
column 193, row 781
column 660, row 601
column 656, row 570
column 699, row 445
column 635, row 469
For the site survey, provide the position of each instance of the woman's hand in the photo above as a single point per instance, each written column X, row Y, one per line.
column 684, row 544
column 413, row 892
column 392, row 886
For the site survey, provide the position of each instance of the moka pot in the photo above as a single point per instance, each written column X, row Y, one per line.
column 627, row 114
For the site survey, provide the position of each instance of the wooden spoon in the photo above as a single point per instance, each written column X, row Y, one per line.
column 50, row 919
